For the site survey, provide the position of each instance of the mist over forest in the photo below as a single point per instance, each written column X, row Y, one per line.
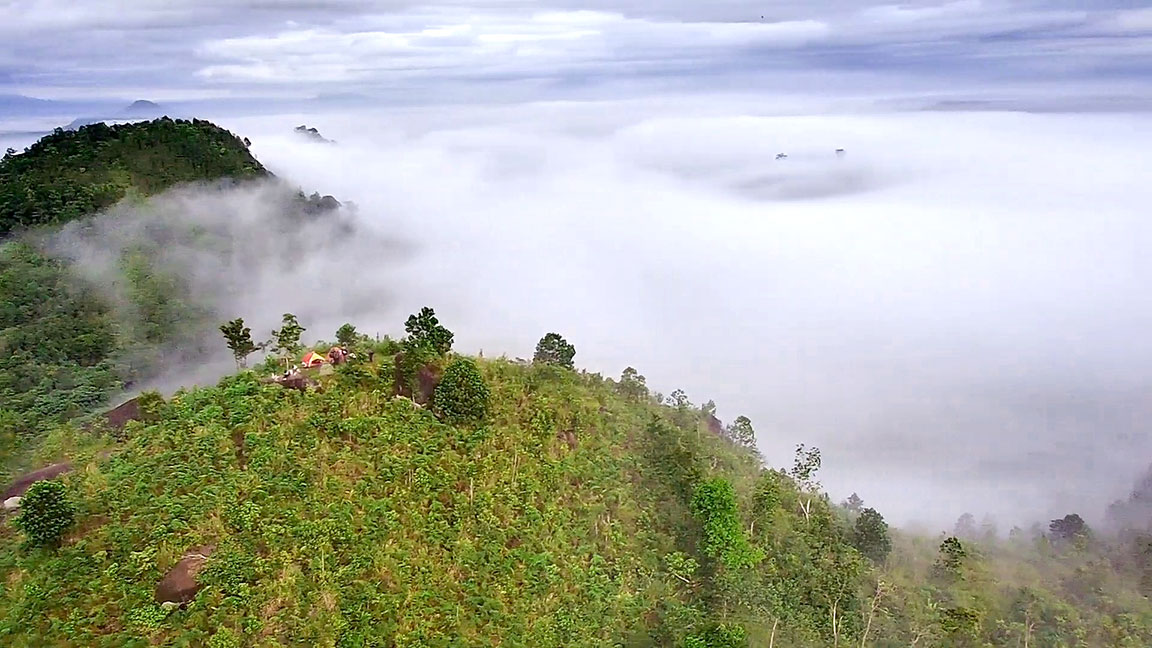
column 945, row 307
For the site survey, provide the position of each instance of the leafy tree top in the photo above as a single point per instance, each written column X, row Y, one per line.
column 425, row 331
column 238, row 338
column 287, row 337
column 553, row 349
column 347, row 335
column 69, row 174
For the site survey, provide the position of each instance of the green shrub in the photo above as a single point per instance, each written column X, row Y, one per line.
column 723, row 635
column 553, row 349
column 46, row 513
column 714, row 505
column 462, row 395
column 224, row 638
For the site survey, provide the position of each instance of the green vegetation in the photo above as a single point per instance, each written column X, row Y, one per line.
column 425, row 332
column 286, row 339
column 523, row 506
column 45, row 513
column 58, row 342
column 239, row 340
column 65, row 346
column 572, row 514
column 462, row 395
column 553, row 349
column 69, row 174
column 346, row 336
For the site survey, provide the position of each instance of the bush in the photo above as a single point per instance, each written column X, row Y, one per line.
column 45, row 513
column 462, row 395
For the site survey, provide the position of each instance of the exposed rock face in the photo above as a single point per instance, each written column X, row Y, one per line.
column 312, row 134
column 12, row 503
column 297, row 381
column 427, row 378
column 179, row 585
column 714, row 425
column 20, row 486
column 119, row 416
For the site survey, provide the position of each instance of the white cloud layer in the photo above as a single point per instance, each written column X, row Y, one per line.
column 950, row 311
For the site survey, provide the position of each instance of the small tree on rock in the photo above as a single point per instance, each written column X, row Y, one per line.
column 239, row 339
column 462, row 395
column 870, row 536
column 45, row 513
column 553, row 349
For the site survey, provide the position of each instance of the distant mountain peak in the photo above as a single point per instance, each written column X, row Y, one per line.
column 143, row 108
column 312, row 133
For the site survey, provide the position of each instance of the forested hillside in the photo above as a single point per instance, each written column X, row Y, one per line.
column 69, row 174
column 67, row 343
column 523, row 505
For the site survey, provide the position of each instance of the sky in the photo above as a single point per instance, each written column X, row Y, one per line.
column 954, row 311
column 232, row 50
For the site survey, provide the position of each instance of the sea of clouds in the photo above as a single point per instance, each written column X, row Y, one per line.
column 954, row 310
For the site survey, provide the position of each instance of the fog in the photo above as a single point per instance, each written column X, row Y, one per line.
column 246, row 251
column 955, row 311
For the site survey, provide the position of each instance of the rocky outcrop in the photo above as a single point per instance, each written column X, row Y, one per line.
column 312, row 134
column 118, row 417
column 12, row 503
column 427, row 378
column 21, row 485
column 179, row 585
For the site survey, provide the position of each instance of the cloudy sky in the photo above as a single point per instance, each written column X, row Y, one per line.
column 393, row 49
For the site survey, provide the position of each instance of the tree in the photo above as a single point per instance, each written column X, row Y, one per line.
column 288, row 335
column 952, row 556
column 870, row 536
column 462, row 395
column 741, row 432
column 804, row 468
column 632, row 385
column 425, row 331
column 346, row 335
column 239, row 339
column 854, row 503
column 1069, row 528
column 965, row 527
column 552, row 349
column 45, row 513
column 679, row 399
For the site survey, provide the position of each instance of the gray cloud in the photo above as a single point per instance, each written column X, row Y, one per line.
column 265, row 49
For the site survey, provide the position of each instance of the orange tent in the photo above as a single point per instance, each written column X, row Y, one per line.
column 313, row 359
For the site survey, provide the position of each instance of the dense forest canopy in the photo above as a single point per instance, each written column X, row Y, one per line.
column 69, row 174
